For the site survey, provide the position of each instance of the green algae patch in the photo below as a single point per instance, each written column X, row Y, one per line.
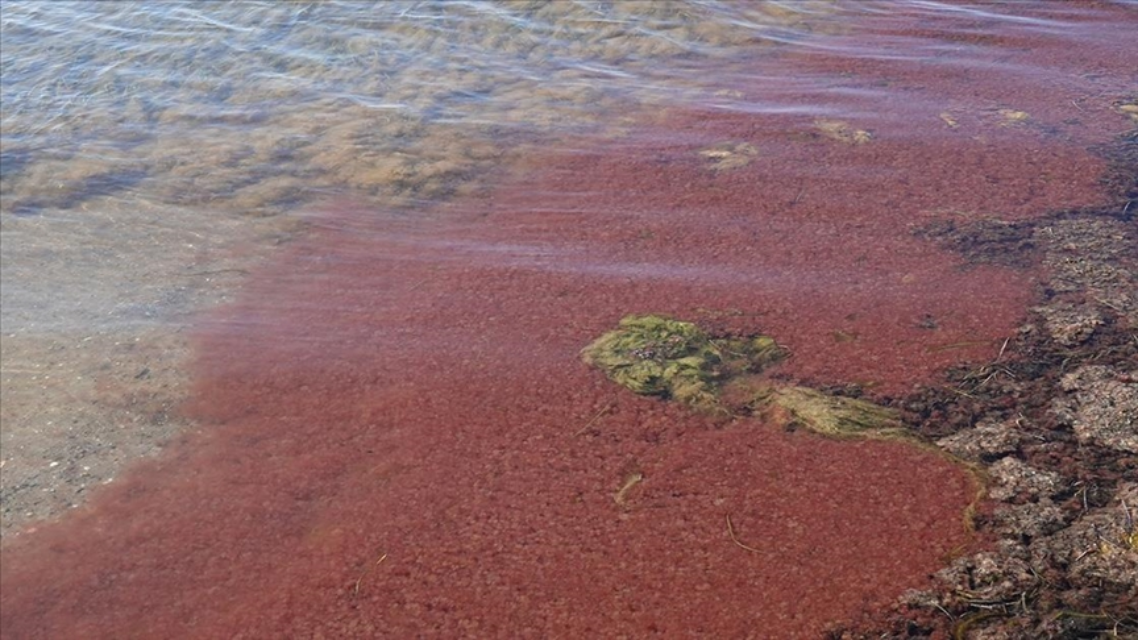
column 829, row 415
column 655, row 355
column 660, row 356
column 854, row 419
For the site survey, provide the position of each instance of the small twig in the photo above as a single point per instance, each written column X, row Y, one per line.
column 735, row 538
column 1083, row 555
column 594, row 419
column 959, row 392
column 214, row 272
column 1106, row 303
column 631, row 481
column 1001, row 353
column 356, row 589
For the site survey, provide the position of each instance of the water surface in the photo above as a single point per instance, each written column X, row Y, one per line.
column 347, row 254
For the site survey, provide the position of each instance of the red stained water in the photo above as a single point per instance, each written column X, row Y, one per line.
column 399, row 438
column 389, row 396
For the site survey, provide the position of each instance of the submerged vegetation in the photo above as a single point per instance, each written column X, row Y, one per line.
column 655, row 355
column 828, row 415
column 659, row 356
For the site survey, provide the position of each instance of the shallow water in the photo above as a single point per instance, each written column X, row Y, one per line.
column 346, row 254
column 261, row 106
column 176, row 118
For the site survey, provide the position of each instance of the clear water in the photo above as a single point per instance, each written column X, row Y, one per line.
column 259, row 106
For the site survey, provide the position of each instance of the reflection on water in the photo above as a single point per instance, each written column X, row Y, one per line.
column 260, row 107
column 257, row 106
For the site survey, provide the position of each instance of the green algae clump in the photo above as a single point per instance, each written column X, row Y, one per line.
column 829, row 415
column 845, row 418
column 660, row 356
column 655, row 355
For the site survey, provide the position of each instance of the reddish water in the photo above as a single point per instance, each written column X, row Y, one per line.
column 399, row 438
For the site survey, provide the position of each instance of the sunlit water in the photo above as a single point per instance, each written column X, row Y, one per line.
column 255, row 106
column 180, row 117
column 153, row 154
column 200, row 113
column 151, row 151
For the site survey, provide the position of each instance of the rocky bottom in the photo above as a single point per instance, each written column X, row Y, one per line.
column 1054, row 422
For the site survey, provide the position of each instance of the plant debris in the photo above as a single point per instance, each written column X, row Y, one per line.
column 660, row 356
column 1052, row 421
column 727, row 155
column 842, row 131
column 654, row 355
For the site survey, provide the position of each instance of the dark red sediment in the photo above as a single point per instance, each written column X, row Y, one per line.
column 398, row 438
column 407, row 394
